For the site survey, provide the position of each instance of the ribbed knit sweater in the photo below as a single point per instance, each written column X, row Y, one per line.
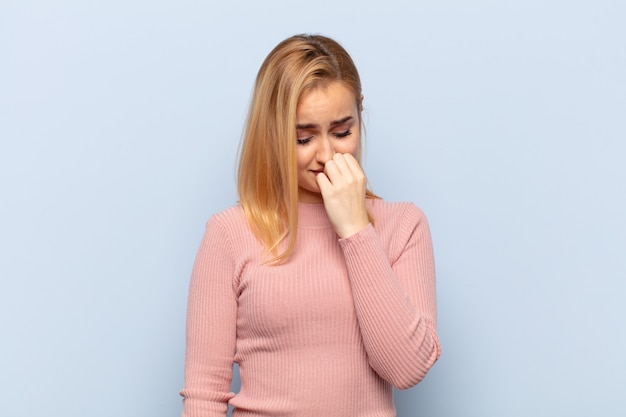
column 327, row 334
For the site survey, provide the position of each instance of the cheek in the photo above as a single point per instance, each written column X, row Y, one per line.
column 348, row 146
column 302, row 157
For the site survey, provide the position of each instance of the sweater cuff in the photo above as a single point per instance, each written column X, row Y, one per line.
column 362, row 235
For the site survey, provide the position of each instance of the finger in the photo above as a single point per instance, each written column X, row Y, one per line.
column 332, row 171
column 341, row 163
column 352, row 171
column 348, row 167
column 353, row 165
column 324, row 183
column 351, row 161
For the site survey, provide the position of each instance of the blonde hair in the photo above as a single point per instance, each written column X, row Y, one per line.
column 267, row 180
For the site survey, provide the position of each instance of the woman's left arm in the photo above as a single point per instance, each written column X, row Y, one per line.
column 395, row 298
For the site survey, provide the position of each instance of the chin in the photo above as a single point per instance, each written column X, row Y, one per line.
column 310, row 195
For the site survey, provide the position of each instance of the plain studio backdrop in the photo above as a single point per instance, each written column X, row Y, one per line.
column 503, row 120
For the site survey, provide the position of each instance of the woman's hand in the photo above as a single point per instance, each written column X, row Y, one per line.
column 343, row 189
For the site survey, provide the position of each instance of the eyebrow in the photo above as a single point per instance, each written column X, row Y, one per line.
column 332, row 124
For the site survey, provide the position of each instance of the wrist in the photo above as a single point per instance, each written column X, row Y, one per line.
column 350, row 230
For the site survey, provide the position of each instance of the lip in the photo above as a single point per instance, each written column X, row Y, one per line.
column 317, row 171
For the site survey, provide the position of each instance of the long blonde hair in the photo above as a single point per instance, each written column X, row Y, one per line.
column 267, row 180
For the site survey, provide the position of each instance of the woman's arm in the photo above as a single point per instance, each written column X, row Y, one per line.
column 211, row 327
column 395, row 301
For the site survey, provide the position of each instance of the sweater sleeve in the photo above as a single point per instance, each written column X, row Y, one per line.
column 395, row 298
column 211, row 327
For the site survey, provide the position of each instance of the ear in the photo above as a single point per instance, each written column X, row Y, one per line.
column 361, row 103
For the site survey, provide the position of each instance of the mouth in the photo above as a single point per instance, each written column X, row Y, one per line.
column 317, row 171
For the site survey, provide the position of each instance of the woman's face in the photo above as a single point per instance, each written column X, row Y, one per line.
column 327, row 122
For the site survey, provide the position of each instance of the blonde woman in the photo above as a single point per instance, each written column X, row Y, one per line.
column 323, row 293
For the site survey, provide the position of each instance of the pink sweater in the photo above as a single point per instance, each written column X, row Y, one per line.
column 326, row 334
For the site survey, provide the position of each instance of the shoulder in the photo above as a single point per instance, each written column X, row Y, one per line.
column 229, row 233
column 394, row 214
column 231, row 216
column 400, row 226
column 228, row 223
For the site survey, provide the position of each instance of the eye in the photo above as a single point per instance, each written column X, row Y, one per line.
column 304, row 141
column 343, row 134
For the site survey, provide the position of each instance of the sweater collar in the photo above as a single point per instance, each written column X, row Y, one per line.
column 313, row 216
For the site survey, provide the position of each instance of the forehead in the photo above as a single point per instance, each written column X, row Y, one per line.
column 333, row 100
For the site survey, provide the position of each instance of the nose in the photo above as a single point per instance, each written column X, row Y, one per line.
column 325, row 150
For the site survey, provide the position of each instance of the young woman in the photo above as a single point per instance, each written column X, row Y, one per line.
column 323, row 293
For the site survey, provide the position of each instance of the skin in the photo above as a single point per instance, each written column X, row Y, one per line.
column 328, row 136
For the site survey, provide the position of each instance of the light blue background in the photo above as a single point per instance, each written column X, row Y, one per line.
column 504, row 120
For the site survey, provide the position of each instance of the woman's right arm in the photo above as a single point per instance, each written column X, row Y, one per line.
column 211, row 327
